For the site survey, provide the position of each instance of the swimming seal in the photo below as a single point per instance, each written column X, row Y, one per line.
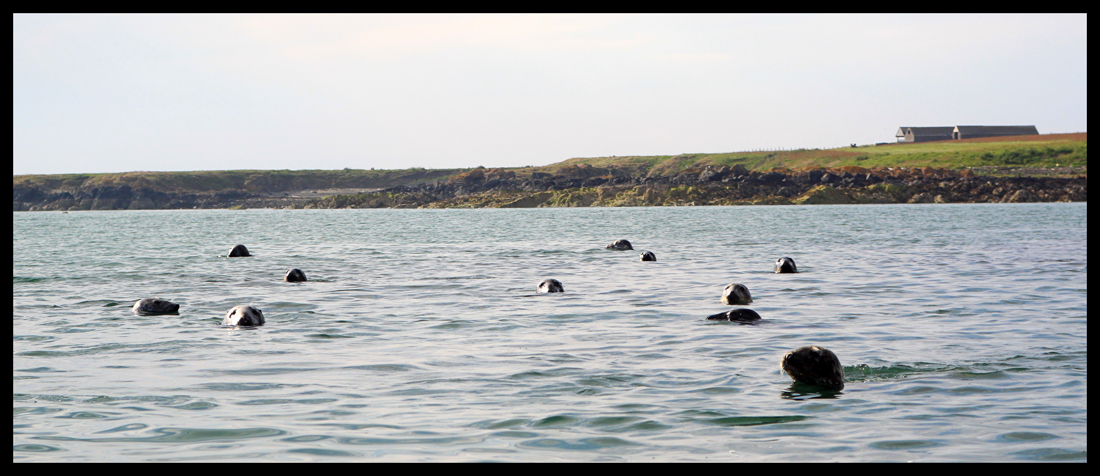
column 785, row 265
column 295, row 275
column 814, row 365
column 620, row 245
column 150, row 306
column 736, row 293
column 649, row 256
column 243, row 316
column 551, row 286
column 238, row 250
column 740, row 315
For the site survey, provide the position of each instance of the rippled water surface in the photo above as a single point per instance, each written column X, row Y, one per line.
column 419, row 337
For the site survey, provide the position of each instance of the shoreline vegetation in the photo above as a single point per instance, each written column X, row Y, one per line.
column 1039, row 168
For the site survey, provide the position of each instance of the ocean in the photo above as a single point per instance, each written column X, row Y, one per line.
column 962, row 329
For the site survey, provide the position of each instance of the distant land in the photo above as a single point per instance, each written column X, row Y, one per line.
column 1036, row 168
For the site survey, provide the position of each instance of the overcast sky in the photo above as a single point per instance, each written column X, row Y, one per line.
column 116, row 93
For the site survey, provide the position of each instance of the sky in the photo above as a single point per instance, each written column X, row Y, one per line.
column 119, row 93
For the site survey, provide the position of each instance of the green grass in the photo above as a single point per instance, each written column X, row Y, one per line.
column 1033, row 151
column 1053, row 150
column 250, row 180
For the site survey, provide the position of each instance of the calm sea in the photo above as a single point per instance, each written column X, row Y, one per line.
column 963, row 331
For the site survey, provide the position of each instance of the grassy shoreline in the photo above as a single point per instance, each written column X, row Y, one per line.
column 719, row 178
column 1019, row 153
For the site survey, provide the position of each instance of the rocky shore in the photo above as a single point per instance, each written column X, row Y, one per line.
column 585, row 185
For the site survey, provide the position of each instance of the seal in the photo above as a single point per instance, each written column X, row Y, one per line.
column 294, row 276
column 620, row 245
column 151, row 306
column 238, row 250
column 551, row 286
column 736, row 293
column 814, row 365
column 243, row 316
column 649, row 256
column 785, row 265
column 740, row 315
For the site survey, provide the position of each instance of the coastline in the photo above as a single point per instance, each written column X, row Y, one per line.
column 585, row 185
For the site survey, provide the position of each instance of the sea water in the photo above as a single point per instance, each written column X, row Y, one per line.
column 963, row 331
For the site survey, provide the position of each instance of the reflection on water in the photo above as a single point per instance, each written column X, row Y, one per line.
column 803, row 391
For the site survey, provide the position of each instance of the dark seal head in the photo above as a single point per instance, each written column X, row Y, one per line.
column 649, row 256
column 294, row 276
column 814, row 365
column 785, row 265
column 620, row 245
column 739, row 315
column 238, row 250
column 243, row 316
column 551, row 286
column 736, row 293
column 149, row 306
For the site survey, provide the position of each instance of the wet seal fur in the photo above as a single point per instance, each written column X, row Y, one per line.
column 551, row 286
column 620, row 245
column 814, row 365
column 238, row 250
column 785, row 265
column 738, row 315
column 649, row 256
column 243, row 316
column 294, row 276
column 150, row 306
column 736, row 293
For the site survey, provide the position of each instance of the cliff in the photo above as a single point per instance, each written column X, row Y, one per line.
column 722, row 185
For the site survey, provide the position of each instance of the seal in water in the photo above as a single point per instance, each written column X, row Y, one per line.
column 238, row 250
column 243, row 316
column 150, row 306
column 620, row 245
column 295, row 275
column 740, row 315
column 736, row 293
column 785, row 265
column 551, row 286
column 814, row 365
column 649, row 256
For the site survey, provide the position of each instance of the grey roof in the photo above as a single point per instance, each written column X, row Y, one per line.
column 996, row 130
column 931, row 130
column 928, row 133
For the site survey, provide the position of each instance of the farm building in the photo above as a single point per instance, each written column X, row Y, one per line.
column 971, row 132
column 925, row 134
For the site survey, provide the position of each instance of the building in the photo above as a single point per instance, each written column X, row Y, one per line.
column 971, row 132
column 925, row 134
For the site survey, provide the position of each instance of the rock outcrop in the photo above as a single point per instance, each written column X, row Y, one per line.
column 585, row 185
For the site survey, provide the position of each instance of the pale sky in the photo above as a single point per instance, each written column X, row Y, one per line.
column 117, row 93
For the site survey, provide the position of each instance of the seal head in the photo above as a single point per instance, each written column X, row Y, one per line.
column 736, row 293
column 620, row 245
column 294, row 276
column 238, row 250
column 785, row 265
column 551, row 286
column 151, row 306
column 739, row 315
column 243, row 316
column 814, row 365
column 649, row 256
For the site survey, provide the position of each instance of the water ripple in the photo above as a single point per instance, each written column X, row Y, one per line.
column 412, row 344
